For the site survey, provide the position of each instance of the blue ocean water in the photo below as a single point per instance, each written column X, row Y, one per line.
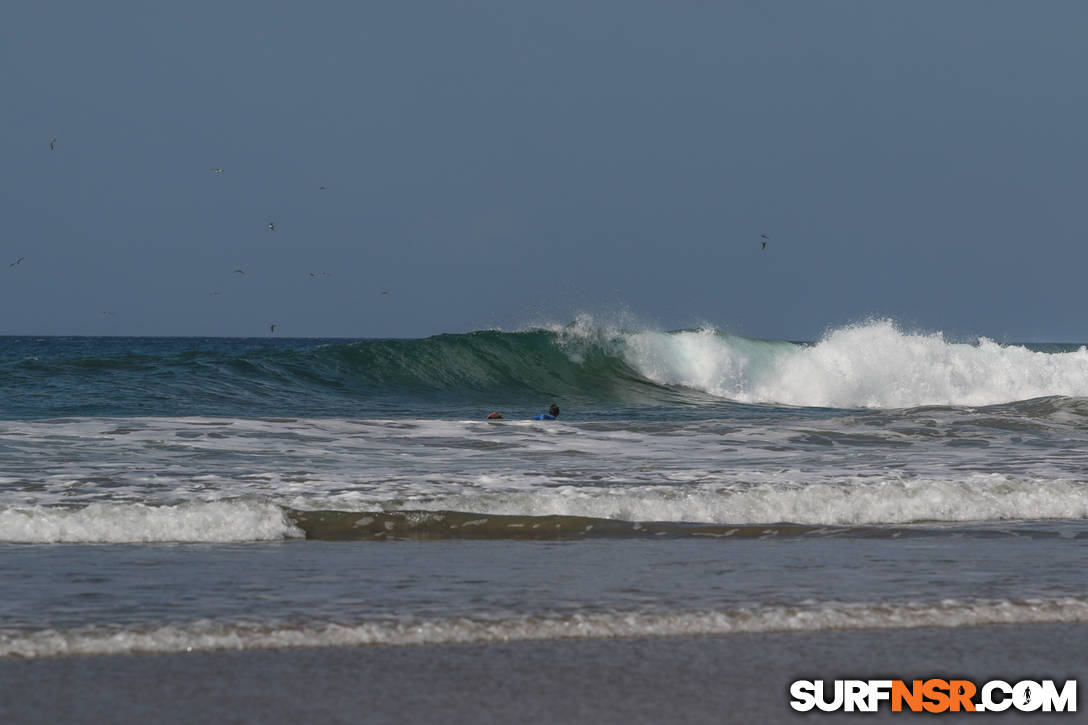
column 177, row 494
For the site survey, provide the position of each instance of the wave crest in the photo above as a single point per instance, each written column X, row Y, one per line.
column 870, row 365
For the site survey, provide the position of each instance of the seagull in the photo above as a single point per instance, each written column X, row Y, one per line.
column 20, row 259
column 213, row 293
column 320, row 274
column 239, row 271
column 271, row 226
column 271, row 328
column 321, row 187
column 218, row 171
column 52, row 143
column 764, row 236
column 764, row 246
column 385, row 291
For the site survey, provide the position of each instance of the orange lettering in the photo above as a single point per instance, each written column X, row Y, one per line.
column 912, row 695
column 935, row 690
column 961, row 692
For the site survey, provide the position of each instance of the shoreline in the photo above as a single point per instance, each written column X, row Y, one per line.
column 683, row 679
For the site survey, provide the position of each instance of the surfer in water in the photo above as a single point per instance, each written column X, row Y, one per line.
column 552, row 414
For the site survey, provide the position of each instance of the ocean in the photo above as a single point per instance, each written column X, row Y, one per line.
column 213, row 498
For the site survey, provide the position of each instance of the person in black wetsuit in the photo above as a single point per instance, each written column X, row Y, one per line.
column 552, row 414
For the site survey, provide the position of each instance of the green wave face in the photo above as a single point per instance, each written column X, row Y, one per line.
column 505, row 365
column 187, row 376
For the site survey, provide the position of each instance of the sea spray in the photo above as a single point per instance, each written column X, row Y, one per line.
column 871, row 365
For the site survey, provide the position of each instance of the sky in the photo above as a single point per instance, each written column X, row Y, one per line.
column 444, row 166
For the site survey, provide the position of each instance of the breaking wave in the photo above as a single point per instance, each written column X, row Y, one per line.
column 870, row 365
column 976, row 505
column 816, row 617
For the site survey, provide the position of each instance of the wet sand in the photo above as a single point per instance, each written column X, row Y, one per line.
column 734, row 678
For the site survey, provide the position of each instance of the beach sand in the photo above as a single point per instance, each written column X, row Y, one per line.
column 721, row 679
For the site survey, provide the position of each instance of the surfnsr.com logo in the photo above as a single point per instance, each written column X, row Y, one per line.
column 933, row 695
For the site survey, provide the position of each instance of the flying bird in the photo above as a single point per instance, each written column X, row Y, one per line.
column 385, row 291
column 20, row 259
column 271, row 328
column 218, row 171
column 239, row 271
column 52, row 143
column 271, row 226
column 321, row 187
column 764, row 245
column 764, row 236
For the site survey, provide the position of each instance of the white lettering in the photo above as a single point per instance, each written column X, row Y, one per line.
column 999, row 705
column 1027, row 696
column 879, row 690
column 835, row 703
column 803, row 693
column 1065, row 701
column 994, row 696
column 855, row 695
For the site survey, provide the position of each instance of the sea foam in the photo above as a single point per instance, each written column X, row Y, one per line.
column 852, row 501
column 871, row 365
column 114, row 523
column 208, row 635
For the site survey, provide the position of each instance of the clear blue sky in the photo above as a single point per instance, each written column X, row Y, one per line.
column 504, row 162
